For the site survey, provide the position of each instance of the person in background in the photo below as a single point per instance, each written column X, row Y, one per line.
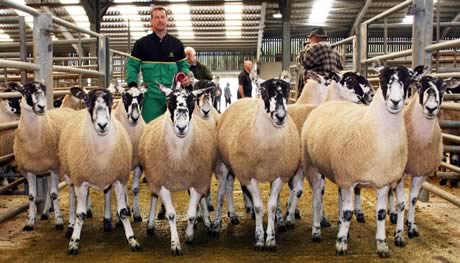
column 160, row 56
column 199, row 70
column 227, row 95
column 217, row 94
column 244, row 81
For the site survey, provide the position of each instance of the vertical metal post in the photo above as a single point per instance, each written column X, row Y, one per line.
column 286, row 44
column 103, row 61
column 23, row 46
column 43, row 53
column 428, row 7
column 80, row 54
column 362, row 44
column 355, row 54
column 422, row 27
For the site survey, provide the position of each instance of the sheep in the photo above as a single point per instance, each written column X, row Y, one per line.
column 10, row 110
column 84, row 139
column 351, row 145
column 315, row 89
column 178, row 152
column 36, row 143
column 347, row 87
column 271, row 151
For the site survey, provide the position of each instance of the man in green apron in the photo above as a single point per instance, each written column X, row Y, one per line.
column 160, row 56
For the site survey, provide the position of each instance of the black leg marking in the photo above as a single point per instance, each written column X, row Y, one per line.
column 347, row 215
column 81, row 216
column 123, row 214
column 31, row 198
column 414, row 200
column 53, row 196
column 381, row 214
column 400, row 206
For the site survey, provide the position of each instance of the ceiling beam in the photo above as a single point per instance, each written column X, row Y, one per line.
column 360, row 16
column 261, row 30
column 446, row 30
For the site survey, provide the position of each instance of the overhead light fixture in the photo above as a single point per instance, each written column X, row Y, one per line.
column 277, row 15
column 233, row 20
column 130, row 13
column 5, row 37
column 182, row 20
column 319, row 12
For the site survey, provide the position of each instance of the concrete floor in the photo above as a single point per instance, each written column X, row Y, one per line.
column 438, row 222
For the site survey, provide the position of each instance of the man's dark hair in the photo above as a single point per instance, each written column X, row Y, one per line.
column 158, row 8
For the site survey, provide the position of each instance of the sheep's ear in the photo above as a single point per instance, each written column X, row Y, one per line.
column 285, row 76
column 418, row 72
column 331, row 75
column 166, row 91
column 81, row 94
column 17, row 87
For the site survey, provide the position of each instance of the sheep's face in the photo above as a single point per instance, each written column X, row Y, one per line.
column 309, row 74
column 180, row 104
column 12, row 105
column 394, row 82
column 34, row 94
column 431, row 92
column 99, row 103
column 356, row 88
column 133, row 101
column 205, row 99
column 274, row 94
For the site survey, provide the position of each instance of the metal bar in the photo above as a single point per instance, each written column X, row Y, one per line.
column 441, row 193
column 66, row 24
column 8, row 125
column 23, row 45
column 399, row 25
column 450, row 106
column 446, row 175
column 449, row 124
column 450, row 167
column 360, row 16
column 344, row 41
column 43, row 53
column 8, row 19
column 13, row 185
column 451, row 137
column 355, row 55
column 260, row 33
column 389, row 56
column 55, row 42
column 362, row 35
column 451, row 97
column 6, row 158
column 451, row 148
column 446, row 75
column 15, row 5
column 388, row 12
column 443, row 45
column 23, row 207
column 103, row 61
column 5, row 63
column 73, row 58
column 427, row 15
column 9, row 54
column 77, row 70
column 10, row 95
column 385, row 36
column 120, row 53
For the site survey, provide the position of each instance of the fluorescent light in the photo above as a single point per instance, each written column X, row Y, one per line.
column 184, row 20
column 319, row 12
column 78, row 15
column 130, row 12
column 5, row 37
column 277, row 15
column 70, row 1
column 233, row 20
column 409, row 19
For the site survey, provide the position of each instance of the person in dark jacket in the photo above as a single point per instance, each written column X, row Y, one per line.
column 227, row 95
column 199, row 70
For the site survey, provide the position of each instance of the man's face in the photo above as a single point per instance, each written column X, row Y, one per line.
column 159, row 20
column 248, row 66
column 191, row 56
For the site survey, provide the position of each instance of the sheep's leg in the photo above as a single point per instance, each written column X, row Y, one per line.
column 230, row 206
column 89, row 207
column 391, row 207
column 151, row 222
column 324, row 221
column 108, row 209
column 120, row 196
column 162, row 212
column 270, row 242
column 400, row 199
column 54, row 195
column 259, row 213
column 416, row 186
column 341, row 245
column 206, row 219
column 221, row 173
column 248, row 205
column 382, row 197
column 209, row 201
column 32, row 181
column 191, row 214
column 47, row 208
column 126, row 201
column 314, row 179
column 280, row 224
column 82, row 195
column 165, row 196
column 136, row 180
column 295, row 192
column 72, row 210
column 358, row 210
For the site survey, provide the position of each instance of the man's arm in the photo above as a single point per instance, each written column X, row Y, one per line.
column 240, row 87
column 182, row 62
column 133, row 66
column 206, row 73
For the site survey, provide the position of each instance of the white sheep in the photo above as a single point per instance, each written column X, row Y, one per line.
column 36, row 144
column 270, row 152
column 86, row 138
column 178, row 152
column 351, row 145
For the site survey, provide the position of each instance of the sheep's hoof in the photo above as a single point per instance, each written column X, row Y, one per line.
column 324, row 222
column 413, row 233
column 137, row 219
column 282, row 227
column 341, row 247
column 107, row 225
column 316, row 237
column 210, row 208
column 259, row 246
column 399, row 241
column 393, row 218
column 150, row 231
column 188, row 240
column 73, row 247
column 234, row 219
column 59, row 226
column 382, row 249
column 297, row 214
column 28, row 228
column 51, row 210
column 248, row 210
column 89, row 214
column 69, row 232
column 290, row 224
column 133, row 244
column 176, row 251
column 44, row 217
column 270, row 248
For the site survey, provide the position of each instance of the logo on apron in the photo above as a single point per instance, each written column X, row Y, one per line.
column 171, row 54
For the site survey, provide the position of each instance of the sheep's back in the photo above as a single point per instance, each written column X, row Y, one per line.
column 250, row 155
column 178, row 169
column 299, row 114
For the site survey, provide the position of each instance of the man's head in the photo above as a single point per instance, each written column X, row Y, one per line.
column 248, row 65
column 190, row 54
column 317, row 35
column 159, row 18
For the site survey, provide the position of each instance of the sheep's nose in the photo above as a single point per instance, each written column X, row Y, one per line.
column 431, row 110
column 135, row 119
column 102, row 125
column 41, row 107
column 280, row 116
column 395, row 102
column 181, row 129
column 205, row 112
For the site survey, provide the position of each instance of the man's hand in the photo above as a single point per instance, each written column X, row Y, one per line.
column 186, row 81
